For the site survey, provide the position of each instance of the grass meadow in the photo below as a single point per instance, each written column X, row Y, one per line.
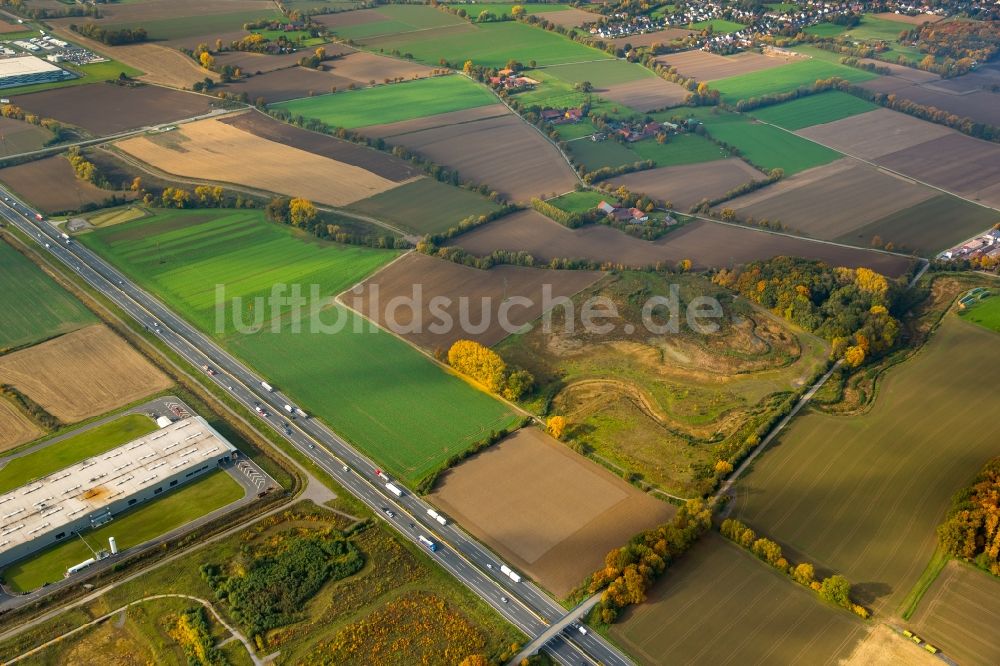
column 763, row 145
column 578, row 202
column 146, row 521
column 425, row 206
column 181, row 27
column 718, row 26
column 986, row 313
column 392, row 103
column 862, row 495
column 870, row 28
column 33, row 307
column 399, row 19
column 372, row 388
column 813, row 110
column 785, row 79
column 75, row 448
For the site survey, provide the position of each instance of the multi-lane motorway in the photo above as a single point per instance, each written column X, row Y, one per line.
column 523, row 604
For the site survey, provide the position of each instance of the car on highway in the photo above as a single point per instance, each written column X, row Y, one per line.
column 504, row 599
column 389, row 512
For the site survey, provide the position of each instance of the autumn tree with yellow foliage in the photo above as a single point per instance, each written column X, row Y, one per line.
column 556, row 425
column 486, row 367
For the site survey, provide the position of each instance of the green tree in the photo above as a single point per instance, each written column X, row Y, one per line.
column 837, row 590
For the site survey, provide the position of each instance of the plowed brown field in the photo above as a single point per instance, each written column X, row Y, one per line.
column 649, row 94
column 216, row 151
column 705, row 66
column 706, row 244
column 687, row 185
column 15, row 428
column 548, row 511
column 82, row 374
column 50, row 185
column 874, row 134
column 484, row 293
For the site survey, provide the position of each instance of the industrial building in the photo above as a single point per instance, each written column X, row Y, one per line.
column 27, row 70
column 92, row 492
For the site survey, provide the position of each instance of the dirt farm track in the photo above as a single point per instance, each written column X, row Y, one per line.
column 82, row 374
column 547, row 510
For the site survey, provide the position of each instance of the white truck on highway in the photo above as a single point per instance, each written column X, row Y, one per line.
column 301, row 413
column 510, row 573
column 288, row 408
column 427, row 542
column 267, row 387
column 437, row 516
column 394, row 489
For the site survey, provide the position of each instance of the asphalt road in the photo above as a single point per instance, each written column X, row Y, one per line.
column 526, row 607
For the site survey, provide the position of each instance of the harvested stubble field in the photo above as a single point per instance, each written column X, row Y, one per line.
column 217, row 151
column 874, row 134
column 15, row 427
column 885, row 647
column 687, row 185
column 108, row 108
column 718, row 589
column 21, row 137
column 52, row 187
column 567, row 18
column 82, row 374
column 833, row 201
column 374, row 389
column 705, row 66
column 960, row 614
column 662, row 406
column 509, row 155
column 425, row 206
column 32, row 306
column 927, row 227
column 485, row 293
column 862, row 495
column 393, row 103
column 379, row 163
column 546, row 510
column 955, row 163
column 706, row 244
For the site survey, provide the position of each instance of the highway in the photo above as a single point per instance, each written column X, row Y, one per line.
column 523, row 604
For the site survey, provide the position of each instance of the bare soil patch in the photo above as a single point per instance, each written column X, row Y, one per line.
column 107, row 108
column 459, row 117
column 706, row 244
column 363, row 68
column 570, row 18
column 503, row 152
column 50, row 185
column 899, row 72
column 15, row 427
column 885, row 647
column 648, row 94
column 955, row 162
column 648, row 39
column 968, row 97
column 549, row 512
column 959, row 614
column 689, row 184
column 291, row 83
column 377, row 162
column 705, row 66
column 6, row 26
column 849, row 194
column 82, row 374
column 214, row 150
column 258, row 63
column 484, row 292
column 874, row 134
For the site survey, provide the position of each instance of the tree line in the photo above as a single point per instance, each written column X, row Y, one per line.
column 303, row 214
column 972, row 530
column 852, row 308
column 111, row 36
column 835, row 589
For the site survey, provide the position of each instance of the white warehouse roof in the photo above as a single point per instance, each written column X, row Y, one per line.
column 25, row 65
column 66, row 496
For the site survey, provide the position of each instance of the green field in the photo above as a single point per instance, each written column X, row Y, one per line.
column 862, row 495
column 502, row 8
column 392, row 103
column 556, row 93
column 597, row 154
column 491, row 45
column 182, row 27
column 601, row 74
column 785, row 79
column 32, row 306
column 871, row 28
column 679, row 149
column 580, row 130
column 146, row 521
column 985, row 312
column 719, row 26
column 763, row 145
column 719, row 589
column 75, row 448
column 578, row 202
column 928, row 227
column 813, row 110
column 372, row 388
column 399, row 19
column 425, row 206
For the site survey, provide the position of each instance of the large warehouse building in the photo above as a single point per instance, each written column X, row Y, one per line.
column 90, row 493
column 26, row 70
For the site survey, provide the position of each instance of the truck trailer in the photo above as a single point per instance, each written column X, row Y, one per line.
column 394, row 490
column 267, row 387
column 427, row 542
